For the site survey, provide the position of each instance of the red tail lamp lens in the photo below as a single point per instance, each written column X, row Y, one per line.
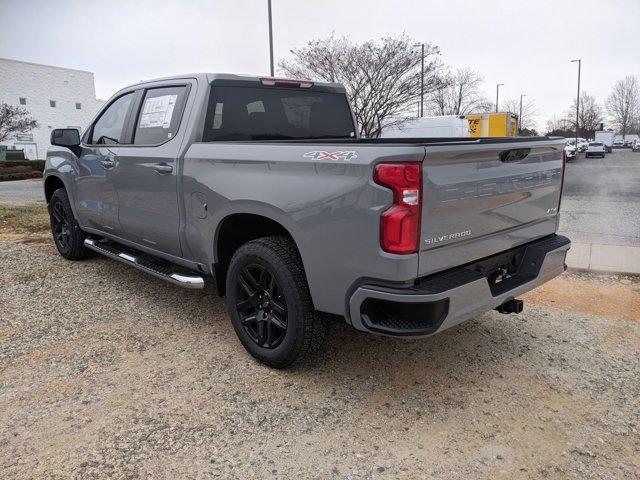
column 400, row 224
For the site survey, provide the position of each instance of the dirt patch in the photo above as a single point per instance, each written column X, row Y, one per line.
column 23, row 218
column 615, row 296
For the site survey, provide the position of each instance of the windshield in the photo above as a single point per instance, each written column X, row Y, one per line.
column 268, row 113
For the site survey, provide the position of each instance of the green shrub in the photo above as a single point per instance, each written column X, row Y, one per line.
column 20, row 176
column 37, row 165
column 6, row 169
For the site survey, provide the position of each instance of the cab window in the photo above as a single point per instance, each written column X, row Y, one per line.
column 159, row 115
column 109, row 127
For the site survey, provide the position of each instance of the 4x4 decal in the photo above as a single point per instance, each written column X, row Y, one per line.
column 340, row 155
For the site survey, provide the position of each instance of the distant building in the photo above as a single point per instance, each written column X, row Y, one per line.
column 56, row 97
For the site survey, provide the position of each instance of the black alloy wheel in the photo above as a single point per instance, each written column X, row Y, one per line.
column 67, row 235
column 60, row 225
column 261, row 306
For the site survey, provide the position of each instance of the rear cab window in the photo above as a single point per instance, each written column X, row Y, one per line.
column 271, row 113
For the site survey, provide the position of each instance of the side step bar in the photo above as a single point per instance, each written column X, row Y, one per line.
column 160, row 271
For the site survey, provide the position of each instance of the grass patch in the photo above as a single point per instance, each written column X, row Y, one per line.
column 24, row 218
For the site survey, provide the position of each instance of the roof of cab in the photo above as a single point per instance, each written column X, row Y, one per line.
column 224, row 78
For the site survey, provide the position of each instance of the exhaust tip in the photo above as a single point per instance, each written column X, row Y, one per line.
column 511, row 306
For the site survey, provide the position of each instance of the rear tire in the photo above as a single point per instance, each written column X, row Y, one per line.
column 67, row 236
column 270, row 305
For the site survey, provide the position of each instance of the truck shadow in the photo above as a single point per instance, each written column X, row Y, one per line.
column 372, row 368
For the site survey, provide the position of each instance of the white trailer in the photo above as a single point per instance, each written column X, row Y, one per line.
column 426, row 127
column 606, row 137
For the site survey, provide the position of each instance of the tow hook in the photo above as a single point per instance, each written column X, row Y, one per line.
column 511, row 306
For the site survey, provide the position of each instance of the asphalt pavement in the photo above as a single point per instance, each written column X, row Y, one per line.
column 22, row 191
column 601, row 199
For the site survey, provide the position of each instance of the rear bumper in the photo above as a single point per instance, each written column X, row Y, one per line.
column 440, row 301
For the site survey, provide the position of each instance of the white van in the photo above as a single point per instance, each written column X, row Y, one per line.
column 443, row 126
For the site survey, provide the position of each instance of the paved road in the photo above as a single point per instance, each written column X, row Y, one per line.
column 22, row 191
column 601, row 200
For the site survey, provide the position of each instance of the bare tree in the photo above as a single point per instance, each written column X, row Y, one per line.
column 624, row 104
column 460, row 94
column 559, row 127
column 589, row 115
column 382, row 78
column 529, row 112
column 14, row 120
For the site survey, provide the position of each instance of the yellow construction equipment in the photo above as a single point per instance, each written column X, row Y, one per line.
column 500, row 124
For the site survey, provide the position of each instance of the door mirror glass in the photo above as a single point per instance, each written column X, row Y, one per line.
column 65, row 137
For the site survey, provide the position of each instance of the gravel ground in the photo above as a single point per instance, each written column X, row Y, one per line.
column 106, row 372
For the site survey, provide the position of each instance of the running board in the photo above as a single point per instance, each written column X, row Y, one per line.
column 160, row 271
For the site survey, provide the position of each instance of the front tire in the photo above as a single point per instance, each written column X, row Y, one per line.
column 270, row 305
column 67, row 236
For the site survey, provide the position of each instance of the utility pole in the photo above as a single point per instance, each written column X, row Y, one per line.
column 579, row 60
column 520, row 116
column 421, row 45
column 498, row 94
column 270, row 39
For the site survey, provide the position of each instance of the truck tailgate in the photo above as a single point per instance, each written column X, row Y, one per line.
column 484, row 198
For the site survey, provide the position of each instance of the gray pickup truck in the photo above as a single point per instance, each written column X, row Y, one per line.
column 264, row 186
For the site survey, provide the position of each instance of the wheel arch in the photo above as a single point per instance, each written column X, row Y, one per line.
column 51, row 184
column 236, row 229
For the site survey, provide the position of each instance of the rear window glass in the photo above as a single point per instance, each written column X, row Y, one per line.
column 595, row 144
column 248, row 113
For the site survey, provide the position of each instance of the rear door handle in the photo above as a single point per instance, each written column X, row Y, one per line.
column 163, row 168
column 108, row 163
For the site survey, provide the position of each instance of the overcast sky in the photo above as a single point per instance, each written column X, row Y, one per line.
column 525, row 45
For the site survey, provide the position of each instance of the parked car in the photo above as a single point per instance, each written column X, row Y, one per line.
column 595, row 149
column 636, row 145
column 583, row 144
column 263, row 187
column 569, row 152
column 618, row 144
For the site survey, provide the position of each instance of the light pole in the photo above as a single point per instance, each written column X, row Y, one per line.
column 270, row 39
column 421, row 45
column 579, row 60
column 498, row 94
column 520, row 116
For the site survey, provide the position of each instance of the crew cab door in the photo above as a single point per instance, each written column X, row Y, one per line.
column 96, row 195
column 147, row 169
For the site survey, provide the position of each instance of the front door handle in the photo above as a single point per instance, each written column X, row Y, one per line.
column 163, row 168
column 108, row 163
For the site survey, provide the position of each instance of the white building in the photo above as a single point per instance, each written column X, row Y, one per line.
column 56, row 97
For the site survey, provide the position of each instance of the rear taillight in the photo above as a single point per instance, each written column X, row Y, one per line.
column 400, row 224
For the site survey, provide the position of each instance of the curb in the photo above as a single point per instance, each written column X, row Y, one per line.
column 604, row 258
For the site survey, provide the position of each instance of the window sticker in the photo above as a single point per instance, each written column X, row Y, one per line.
column 157, row 111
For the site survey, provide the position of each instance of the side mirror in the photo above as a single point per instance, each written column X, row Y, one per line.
column 65, row 137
